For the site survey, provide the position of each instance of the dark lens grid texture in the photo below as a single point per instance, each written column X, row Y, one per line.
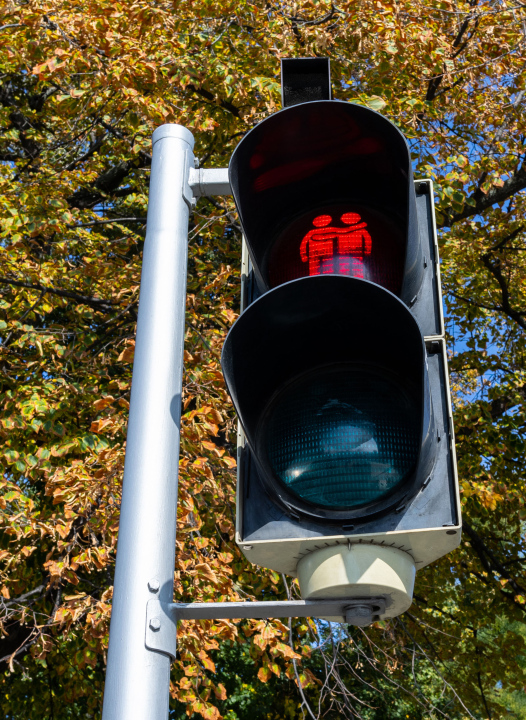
column 343, row 441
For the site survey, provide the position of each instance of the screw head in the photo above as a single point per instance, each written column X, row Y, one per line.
column 154, row 585
column 155, row 624
column 360, row 615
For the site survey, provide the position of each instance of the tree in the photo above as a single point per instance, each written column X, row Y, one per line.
column 82, row 88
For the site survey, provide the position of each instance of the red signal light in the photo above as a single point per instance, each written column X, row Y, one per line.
column 339, row 241
column 330, row 249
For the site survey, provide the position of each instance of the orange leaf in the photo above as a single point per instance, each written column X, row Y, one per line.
column 206, row 571
column 264, row 674
column 220, row 692
column 265, row 636
column 126, row 355
column 213, row 448
column 207, row 661
column 103, row 402
column 275, row 669
column 287, row 651
column 98, row 425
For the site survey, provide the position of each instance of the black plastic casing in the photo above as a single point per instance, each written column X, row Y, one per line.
column 427, row 518
column 314, row 323
column 333, row 320
column 324, row 153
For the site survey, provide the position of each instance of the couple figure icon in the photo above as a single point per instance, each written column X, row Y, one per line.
column 342, row 250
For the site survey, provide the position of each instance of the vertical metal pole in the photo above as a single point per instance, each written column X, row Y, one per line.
column 137, row 679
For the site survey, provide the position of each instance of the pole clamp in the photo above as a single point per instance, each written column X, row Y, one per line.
column 161, row 627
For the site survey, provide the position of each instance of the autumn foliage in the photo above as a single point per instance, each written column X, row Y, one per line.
column 82, row 87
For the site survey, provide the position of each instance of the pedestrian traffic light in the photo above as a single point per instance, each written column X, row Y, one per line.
column 337, row 364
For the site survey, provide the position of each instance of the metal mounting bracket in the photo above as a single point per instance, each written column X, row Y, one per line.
column 162, row 618
column 161, row 627
column 362, row 611
column 263, row 610
column 209, row 181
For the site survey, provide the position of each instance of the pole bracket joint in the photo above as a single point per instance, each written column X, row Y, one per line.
column 161, row 627
column 206, row 182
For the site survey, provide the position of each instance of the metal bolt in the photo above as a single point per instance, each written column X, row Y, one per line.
column 361, row 615
column 154, row 585
column 155, row 624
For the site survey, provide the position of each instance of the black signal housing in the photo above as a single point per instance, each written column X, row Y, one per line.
column 329, row 158
column 337, row 365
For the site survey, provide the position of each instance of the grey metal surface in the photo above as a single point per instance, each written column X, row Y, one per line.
column 363, row 611
column 137, row 678
column 271, row 609
column 161, row 627
column 208, row 182
column 428, row 306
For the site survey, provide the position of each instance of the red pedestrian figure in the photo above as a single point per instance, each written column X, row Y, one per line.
column 318, row 244
column 353, row 244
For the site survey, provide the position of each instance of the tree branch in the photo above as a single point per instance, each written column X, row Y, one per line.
column 483, row 201
column 495, row 269
column 104, row 222
column 107, row 183
column 488, row 559
column 215, row 101
column 96, row 303
column 305, row 23
column 434, row 82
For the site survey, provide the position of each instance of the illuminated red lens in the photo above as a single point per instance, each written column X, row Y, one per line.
column 340, row 240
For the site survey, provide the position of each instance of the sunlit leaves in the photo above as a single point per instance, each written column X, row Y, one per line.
column 83, row 87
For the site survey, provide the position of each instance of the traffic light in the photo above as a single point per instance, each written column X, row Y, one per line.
column 337, row 365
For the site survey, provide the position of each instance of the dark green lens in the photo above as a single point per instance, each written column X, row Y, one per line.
column 343, row 438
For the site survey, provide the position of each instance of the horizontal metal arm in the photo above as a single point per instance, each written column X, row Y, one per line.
column 207, row 182
column 162, row 618
column 271, row 609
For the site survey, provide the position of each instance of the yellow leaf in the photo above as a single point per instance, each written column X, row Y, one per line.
column 275, row 669
column 192, row 670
